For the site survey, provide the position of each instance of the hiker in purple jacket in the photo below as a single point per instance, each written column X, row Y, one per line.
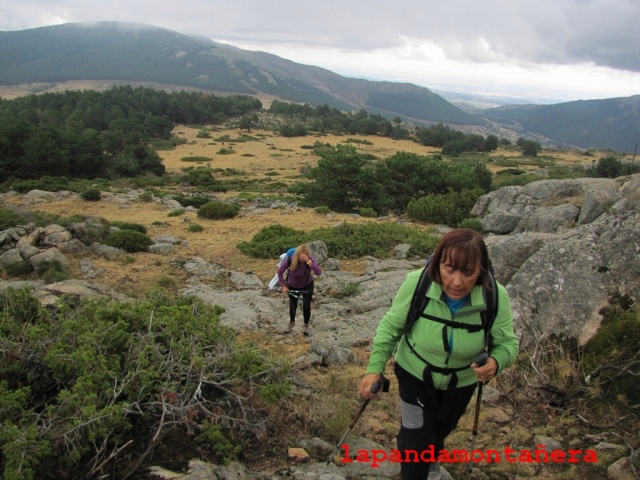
column 298, row 282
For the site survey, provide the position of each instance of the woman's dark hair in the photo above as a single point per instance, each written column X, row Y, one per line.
column 464, row 248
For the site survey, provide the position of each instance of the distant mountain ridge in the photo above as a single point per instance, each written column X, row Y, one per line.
column 132, row 52
column 611, row 123
column 136, row 53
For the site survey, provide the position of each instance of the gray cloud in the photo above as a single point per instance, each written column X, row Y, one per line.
column 566, row 49
column 602, row 32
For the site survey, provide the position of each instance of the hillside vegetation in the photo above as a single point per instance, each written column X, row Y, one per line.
column 102, row 388
column 105, row 54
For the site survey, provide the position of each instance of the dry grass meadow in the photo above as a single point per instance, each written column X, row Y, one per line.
column 269, row 157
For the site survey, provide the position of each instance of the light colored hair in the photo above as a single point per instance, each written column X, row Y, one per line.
column 296, row 256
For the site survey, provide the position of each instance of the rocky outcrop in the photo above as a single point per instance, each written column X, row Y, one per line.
column 548, row 205
column 561, row 263
column 26, row 248
column 562, row 248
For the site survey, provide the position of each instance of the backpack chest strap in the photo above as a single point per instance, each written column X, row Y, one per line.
column 453, row 324
column 434, row 368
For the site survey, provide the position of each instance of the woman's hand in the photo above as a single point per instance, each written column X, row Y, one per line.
column 365, row 386
column 285, row 289
column 487, row 371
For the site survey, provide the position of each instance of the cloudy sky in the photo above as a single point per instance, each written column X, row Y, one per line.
column 542, row 50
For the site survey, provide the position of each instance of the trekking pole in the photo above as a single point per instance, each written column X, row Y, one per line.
column 480, row 360
column 294, row 294
column 383, row 383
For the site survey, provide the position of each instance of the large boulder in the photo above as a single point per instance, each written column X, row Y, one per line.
column 546, row 205
column 549, row 219
column 52, row 256
column 575, row 250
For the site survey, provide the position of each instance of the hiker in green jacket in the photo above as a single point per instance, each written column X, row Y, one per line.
column 434, row 361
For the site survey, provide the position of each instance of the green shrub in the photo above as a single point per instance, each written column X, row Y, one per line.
column 450, row 208
column 126, row 259
column 129, row 240
column 166, row 282
column 472, row 223
column 368, row 212
column 323, row 210
column 17, row 269
column 344, row 240
column 218, row 210
column 610, row 166
column 199, row 177
column 195, row 201
column 195, row 227
column 91, row 195
column 271, row 241
column 9, row 218
column 88, row 230
column 512, row 171
column 146, row 197
column 176, row 212
column 52, row 272
column 82, row 367
column 213, row 434
column 343, row 290
column 196, row 159
column 615, row 346
column 49, row 184
column 129, row 226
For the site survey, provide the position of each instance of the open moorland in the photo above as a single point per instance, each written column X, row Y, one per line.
column 261, row 157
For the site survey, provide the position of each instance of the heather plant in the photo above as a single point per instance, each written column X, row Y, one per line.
column 91, row 195
column 51, row 272
column 450, row 208
column 129, row 226
column 129, row 240
column 344, row 240
column 9, row 218
column 176, row 212
column 107, row 379
column 218, row 210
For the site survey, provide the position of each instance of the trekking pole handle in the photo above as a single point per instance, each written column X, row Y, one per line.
column 481, row 359
column 381, row 383
column 376, row 386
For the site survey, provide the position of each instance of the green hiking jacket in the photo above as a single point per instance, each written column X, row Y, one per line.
column 427, row 338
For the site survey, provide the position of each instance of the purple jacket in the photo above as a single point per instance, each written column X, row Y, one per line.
column 301, row 276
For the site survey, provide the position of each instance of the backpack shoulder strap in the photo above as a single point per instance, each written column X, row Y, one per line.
column 489, row 315
column 419, row 300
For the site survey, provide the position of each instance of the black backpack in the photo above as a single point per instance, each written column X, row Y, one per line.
column 418, row 305
column 420, row 300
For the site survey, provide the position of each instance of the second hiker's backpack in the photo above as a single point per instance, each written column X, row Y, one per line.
column 420, row 300
column 285, row 257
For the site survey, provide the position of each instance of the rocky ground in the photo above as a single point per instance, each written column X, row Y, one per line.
column 329, row 362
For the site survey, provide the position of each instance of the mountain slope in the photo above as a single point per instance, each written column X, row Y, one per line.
column 611, row 123
column 140, row 53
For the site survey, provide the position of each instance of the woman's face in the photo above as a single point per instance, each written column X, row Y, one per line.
column 457, row 284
